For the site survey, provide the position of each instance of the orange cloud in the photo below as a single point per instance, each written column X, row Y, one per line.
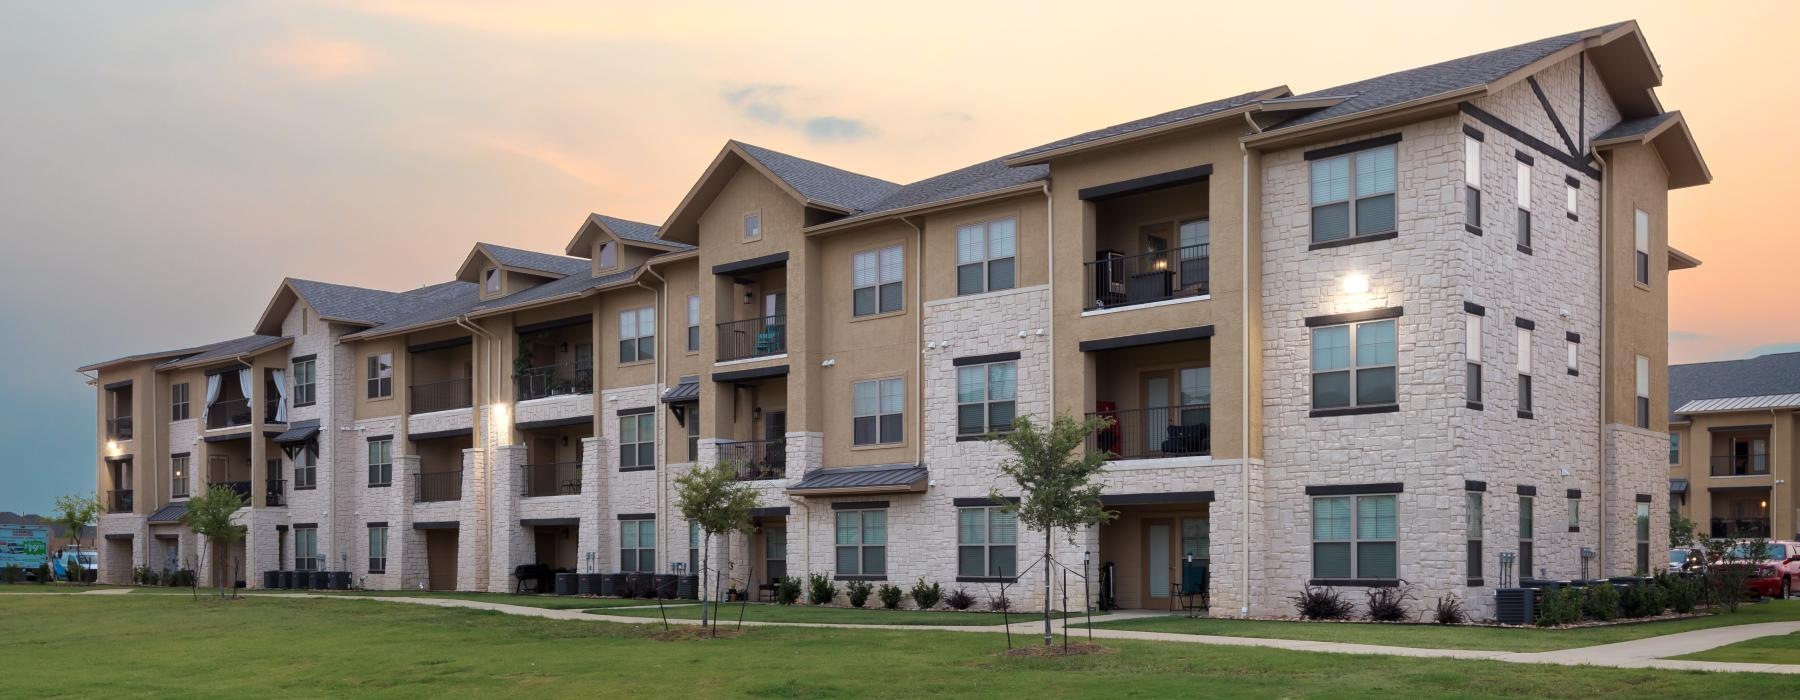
column 319, row 58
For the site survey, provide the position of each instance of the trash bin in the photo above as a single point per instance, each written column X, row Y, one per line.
column 565, row 584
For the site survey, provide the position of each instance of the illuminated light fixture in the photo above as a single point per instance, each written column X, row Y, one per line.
column 1356, row 283
column 502, row 423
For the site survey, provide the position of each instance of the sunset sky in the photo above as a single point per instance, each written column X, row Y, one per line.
column 164, row 167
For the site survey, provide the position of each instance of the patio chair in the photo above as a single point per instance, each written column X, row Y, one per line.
column 766, row 340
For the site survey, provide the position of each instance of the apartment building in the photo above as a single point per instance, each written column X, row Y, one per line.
column 1347, row 337
column 1732, row 460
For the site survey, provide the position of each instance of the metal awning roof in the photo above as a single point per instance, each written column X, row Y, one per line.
column 1678, row 486
column 687, row 390
column 170, row 513
column 1741, row 403
column 884, row 478
column 298, row 431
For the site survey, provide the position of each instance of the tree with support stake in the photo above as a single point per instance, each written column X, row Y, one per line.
column 719, row 503
column 76, row 512
column 1054, row 472
column 209, row 516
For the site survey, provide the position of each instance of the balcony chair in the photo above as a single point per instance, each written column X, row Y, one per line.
column 1192, row 591
column 767, row 340
column 1186, row 439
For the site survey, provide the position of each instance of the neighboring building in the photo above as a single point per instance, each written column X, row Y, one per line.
column 1732, row 460
column 1387, row 330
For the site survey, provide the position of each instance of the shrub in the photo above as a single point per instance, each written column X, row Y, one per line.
column 1450, row 611
column 12, row 573
column 859, row 592
column 788, row 592
column 959, row 599
column 1388, row 604
column 999, row 603
column 821, row 589
column 1640, row 600
column 44, row 573
column 927, row 596
column 1560, row 607
column 1601, row 602
column 181, row 579
column 1679, row 592
column 1322, row 604
column 890, row 596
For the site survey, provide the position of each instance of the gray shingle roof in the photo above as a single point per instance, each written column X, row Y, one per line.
column 861, row 477
column 1169, row 117
column 170, row 513
column 638, row 231
column 823, row 183
column 466, row 299
column 1438, row 78
column 1777, row 373
column 561, row 265
column 355, row 304
column 226, row 350
column 1635, row 127
column 986, row 176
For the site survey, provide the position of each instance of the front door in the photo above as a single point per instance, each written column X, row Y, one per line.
column 1156, row 560
column 440, row 559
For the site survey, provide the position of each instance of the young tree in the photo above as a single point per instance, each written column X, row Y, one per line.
column 719, row 503
column 75, row 512
column 1681, row 531
column 1054, row 471
column 209, row 516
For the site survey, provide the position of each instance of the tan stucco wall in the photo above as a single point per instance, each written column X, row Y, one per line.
column 1700, row 443
column 1637, row 319
column 1031, row 266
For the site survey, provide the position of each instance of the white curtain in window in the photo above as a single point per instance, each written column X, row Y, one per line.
column 212, row 394
column 281, row 392
column 244, row 383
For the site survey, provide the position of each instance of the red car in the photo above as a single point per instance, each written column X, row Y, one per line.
column 1778, row 573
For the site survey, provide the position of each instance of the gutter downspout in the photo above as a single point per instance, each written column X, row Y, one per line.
column 485, row 537
column 662, row 457
column 1244, row 366
column 1050, row 279
column 1605, row 284
column 919, row 338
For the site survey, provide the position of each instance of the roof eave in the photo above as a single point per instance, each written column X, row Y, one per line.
column 1042, row 157
column 189, row 364
column 928, row 207
column 1311, row 132
column 913, row 487
column 1681, row 261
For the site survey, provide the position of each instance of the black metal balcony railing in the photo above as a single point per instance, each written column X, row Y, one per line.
column 553, row 479
column 555, row 380
column 1174, row 431
column 1740, row 465
column 277, row 493
column 756, row 337
column 440, row 486
column 1740, row 527
column 241, row 488
column 756, row 460
column 118, row 501
column 1160, row 275
column 119, row 428
column 226, row 413
column 443, row 395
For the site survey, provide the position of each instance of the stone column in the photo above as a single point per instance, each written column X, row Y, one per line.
column 509, row 543
column 472, row 538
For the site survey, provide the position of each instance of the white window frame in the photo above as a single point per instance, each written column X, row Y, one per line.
column 1641, row 247
column 976, row 250
column 988, row 399
column 180, row 402
column 638, row 439
column 490, row 280
column 180, row 475
column 1354, row 369
column 306, row 549
column 380, row 379
column 1472, row 180
column 883, row 269
column 693, row 323
column 753, row 226
column 378, row 549
column 1355, row 540
column 381, row 462
column 883, row 394
column 993, row 549
column 1351, row 198
column 860, row 543
column 633, row 536
column 1526, row 404
column 1472, row 330
column 1643, row 392
column 637, row 330
column 306, row 461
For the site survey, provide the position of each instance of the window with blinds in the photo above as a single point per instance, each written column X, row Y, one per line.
column 1356, row 537
column 987, row 542
column 986, row 257
column 861, row 543
column 877, row 280
column 1353, row 194
column 879, row 412
column 986, row 398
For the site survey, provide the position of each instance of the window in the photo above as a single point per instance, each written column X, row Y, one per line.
column 1524, row 337
column 637, row 335
column 381, row 462
column 637, row 545
column 877, row 281
column 178, row 476
column 693, row 326
column 609, row 255
column 637, row 441
column 377, row 549
column 987, row 542
column 1526, row 519
column 986, row 257
column 1355, row 537
column 862, row 543
column 381, row 375
column 306, row 382
column 693, row 562
column 1353, row 194
column 693, row 432
column 306, row 467
column 1472, row 343
column 1472, row 181
column 178, row 402
column 1643, row 538
column 1574, row 349
column 1574, row 511
column 986, row 398
column 1472, row 503
column 490, row 280
column 1353, row 365
column 1643, row 391
column 1572, row 200
column 753, row 226
column 879, row 410
column 1674, row 448
column 1642, row 258
column 1524, row 194
column 306, row 548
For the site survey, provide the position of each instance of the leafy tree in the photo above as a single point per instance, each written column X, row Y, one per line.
column 719, row 503
column 1054, row 471
column 75, row 512
column 1681, row 531
column 209, row 516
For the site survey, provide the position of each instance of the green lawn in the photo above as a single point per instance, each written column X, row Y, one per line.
column 1458, row 636
column 554, row 602
column 1762, row 650
column 56, row 587
column 764, row 612
column 162, row 646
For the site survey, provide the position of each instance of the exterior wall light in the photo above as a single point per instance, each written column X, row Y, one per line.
column 1356, row 283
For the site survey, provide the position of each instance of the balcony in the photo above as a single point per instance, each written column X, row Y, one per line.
column 1145, row 433
column 552, row 479
column 1740, row 527
column 554, row 380
column 1115, row 280
column 241, row 488
column 445, row 395
column 756, row 337
column 1752, row 464
column 439, row 486
column 276, row 496
column 228, row 413
column 118, row 428
column 756, row 460
column 118, row 501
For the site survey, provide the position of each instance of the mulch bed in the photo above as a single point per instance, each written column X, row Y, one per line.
column 1081, row 649
column 692, row 633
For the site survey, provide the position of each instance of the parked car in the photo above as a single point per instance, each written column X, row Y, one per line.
column 1684, row 560
column 1777, row 570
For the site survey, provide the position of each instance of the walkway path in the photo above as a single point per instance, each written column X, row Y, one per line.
column 1641, row 653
